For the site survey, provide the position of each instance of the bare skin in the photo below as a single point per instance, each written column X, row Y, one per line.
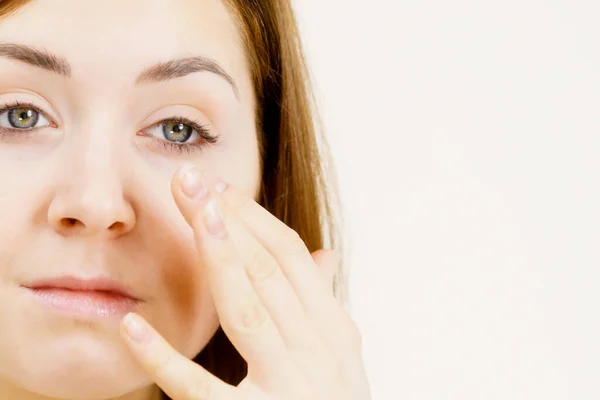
column 90, row 147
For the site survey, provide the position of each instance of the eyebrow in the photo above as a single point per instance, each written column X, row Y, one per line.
column 160, row 72
column 184, row 66
column 38, row 58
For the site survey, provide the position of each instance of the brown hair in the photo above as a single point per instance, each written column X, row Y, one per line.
column 294, row 153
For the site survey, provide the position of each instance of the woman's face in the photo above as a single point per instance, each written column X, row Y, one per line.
column 89, row 141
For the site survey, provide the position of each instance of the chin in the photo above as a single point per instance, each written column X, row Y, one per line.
column 61, row 357
column 73, row 367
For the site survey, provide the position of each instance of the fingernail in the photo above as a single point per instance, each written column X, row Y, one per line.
column 214, row 219
column 136, row 328
column 218, row 183
column 220, row 186
column 191, row 183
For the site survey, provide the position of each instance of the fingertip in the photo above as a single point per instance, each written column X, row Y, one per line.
column 176, row 182
column 135, row 328
column 183, row 170
column 189, row 188
column 178, row 176
column 325, row 259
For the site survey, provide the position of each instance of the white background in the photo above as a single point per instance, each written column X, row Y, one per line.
column 466, row 137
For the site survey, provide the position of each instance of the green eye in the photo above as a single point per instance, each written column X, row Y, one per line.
column 180, row 134
column 176, row 131
column 23, row 118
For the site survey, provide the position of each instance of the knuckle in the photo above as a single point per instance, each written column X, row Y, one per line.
column 199, row 390
column 253, row 317
column 226, row 261
column 354, row 332
column 293, row 242
column 311, row 346
column 357, row 341
column 162, row 365
column 315, row 348
column 261, row 267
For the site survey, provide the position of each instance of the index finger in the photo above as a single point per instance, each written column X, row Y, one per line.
column 178, row 376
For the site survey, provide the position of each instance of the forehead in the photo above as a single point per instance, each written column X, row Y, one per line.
column 118, row 38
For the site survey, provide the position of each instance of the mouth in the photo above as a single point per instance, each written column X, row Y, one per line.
column 84, row 298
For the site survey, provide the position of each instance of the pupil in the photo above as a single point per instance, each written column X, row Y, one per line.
column 25, row 115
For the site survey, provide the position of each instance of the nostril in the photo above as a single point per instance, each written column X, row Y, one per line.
column 68, row 222
column 117, row 226
column 74, row 225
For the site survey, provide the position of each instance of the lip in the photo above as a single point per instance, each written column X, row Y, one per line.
column 95, row 297
column 100, row 284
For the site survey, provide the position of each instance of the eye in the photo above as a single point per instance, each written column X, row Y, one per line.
column 181, row 131
column 22, row 118
column 180, row 135
column 176, row 131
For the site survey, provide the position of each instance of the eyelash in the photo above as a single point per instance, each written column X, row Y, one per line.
column 23, row 133
column 179, row 148
column 17, row 104
column 188, row 148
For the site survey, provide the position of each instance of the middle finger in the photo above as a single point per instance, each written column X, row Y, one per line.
column 244, row 318
column 278, row 296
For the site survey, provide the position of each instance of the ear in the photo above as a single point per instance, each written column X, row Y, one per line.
column 328, row 262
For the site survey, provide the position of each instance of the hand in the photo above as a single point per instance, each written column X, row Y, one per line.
column 274, row 303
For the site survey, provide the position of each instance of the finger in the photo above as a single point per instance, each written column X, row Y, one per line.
column 288, row 248
column 244, row 317
column 297, row 264
column 176, row 375
column 327, row 261
column 277, row 295
column 305, row 346
column 265, row 227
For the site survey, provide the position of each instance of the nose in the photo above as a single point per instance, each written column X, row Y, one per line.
column 90, row 201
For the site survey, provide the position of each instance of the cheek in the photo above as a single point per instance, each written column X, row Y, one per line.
column 242, row 166
column 182, row 309
column 19, row 217
column 191, row 318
